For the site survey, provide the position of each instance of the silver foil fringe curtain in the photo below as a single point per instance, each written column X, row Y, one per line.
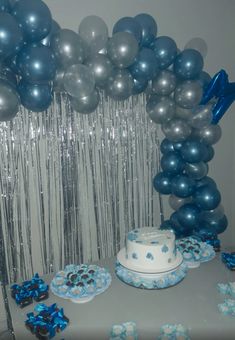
column 72, row 185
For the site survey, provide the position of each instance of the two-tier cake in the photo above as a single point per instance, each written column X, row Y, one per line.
column 150, row 259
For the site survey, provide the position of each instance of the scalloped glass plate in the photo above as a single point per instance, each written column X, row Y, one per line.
column 121, row 256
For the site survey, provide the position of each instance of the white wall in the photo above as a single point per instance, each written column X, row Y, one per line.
column 211, row 20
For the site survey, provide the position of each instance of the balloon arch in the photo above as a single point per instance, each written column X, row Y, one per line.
column 38, row 58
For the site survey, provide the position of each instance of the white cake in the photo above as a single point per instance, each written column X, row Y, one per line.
column 150, row 249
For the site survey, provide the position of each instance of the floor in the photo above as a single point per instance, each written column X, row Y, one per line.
column 4, row 333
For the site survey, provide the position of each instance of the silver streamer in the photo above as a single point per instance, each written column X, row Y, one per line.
column 72, row 185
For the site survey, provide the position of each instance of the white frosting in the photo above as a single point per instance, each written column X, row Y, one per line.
column 150, row 248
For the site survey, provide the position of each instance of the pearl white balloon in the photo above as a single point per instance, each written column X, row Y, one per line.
column 176, row 130
column 188, row 94
column 165, row 83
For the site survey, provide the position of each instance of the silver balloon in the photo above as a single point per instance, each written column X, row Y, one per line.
column 197, row 44
column 94, row 31
column 120, row 85
column 201, row 116
column 217, row 214
column 68, row 48
column 101, row 67
column 177, row 202
column 86, row 104
column 188, row 94
column 58, row 84
column 181, row 113
column 165, row 83
column 79, row 81
column 161, row 109
column 9, row 101
column 196, row 170
column 209, row 135
column 122, row 49
column 176, row 130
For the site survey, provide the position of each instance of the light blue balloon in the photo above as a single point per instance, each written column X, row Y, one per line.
column 35, row 97
column 148, row 28
column 11, row 38
column 37, row 64
column 145, row 66
column 188, row 215
column 165, row 50
column 34, row 18
column 130, row 25
column 188, row 64
column 193, row 151
column 166, row 146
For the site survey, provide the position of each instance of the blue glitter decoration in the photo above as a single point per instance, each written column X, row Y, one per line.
column 165, row 249
column 149, row 256
column 134, row 256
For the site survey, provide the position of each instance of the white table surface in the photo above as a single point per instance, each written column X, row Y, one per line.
column 193, row 303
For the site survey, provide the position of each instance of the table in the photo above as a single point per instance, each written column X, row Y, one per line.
column 193, row 303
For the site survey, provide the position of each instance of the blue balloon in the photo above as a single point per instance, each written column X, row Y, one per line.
column 145, row 66
column 172, row 163
column 165, row 50
column 178, row 146
column 162, row 183
column 55, row 27
column 207, row 197
column 209, row 154
column 188, row 64
column 148, row 28
column 182, row 186
column 35, row 97
column 167, row 225
column 7, row 75
column 179, row 229
column 11, row 38
column 166, row 146
column 5, row 6
column 34, row 17
column 130, row 25
column 204, row 79
column 11, row 63
column 139, row 86
column 37, row 64
column 218, row 225
column 205, row 181
column 188, row 215
column 193, row 151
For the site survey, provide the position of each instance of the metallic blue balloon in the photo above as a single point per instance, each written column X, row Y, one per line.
column 178, row 145
column 188, row 64
column 172, row 163
column 166, row 146
column 179, row 229
column 34, row 17
column 55, row 27
column 218, row 225
column 11, row 38
column 165, row 50
column 5, row 6
column 35, row 97
column 11, row 63
column 139, row 86
column 148, row 28
column 193, row 151
column 209, row 154
column 205, row 181
column 37, row 64
column 207, row 197
column 7, row 75
column 204, row 79
column 129, row 24
column 182, row 186
column 145, row 66
column 188, row 215
column 162, row 183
